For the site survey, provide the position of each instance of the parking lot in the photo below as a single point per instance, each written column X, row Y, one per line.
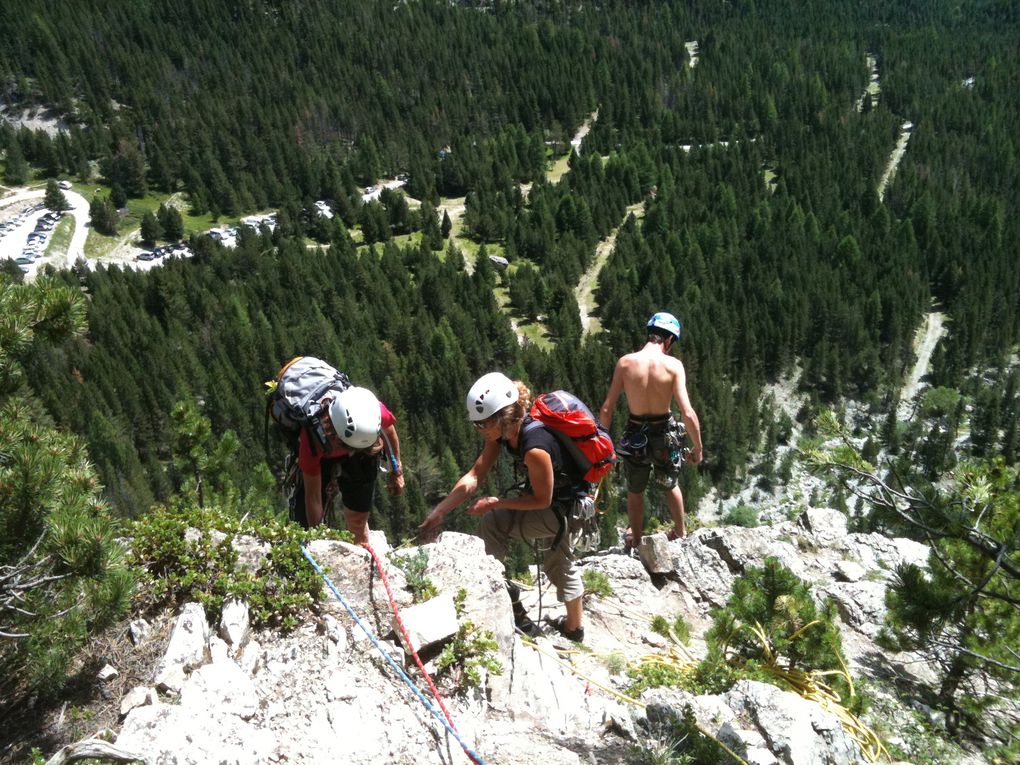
column 25, row 234
column 26, row 227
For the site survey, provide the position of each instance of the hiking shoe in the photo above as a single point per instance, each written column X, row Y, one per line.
column 522, row 621
column 526, row 627
column 560, row 625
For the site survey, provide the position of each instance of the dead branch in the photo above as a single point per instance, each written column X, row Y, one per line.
column 94, row 748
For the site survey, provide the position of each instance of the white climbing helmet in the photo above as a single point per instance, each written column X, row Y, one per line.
column 356, row 417
column 489, row 394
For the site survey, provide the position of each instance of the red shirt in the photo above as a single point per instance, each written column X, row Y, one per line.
column 311, row 464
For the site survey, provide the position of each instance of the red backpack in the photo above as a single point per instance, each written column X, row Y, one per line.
column 578, row 430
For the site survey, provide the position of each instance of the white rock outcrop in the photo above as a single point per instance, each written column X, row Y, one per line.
column 326, row 694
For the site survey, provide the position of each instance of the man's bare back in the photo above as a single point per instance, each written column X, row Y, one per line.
column 649, row 380
column 652, row 380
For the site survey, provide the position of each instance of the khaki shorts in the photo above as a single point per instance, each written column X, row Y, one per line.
column 651, row 442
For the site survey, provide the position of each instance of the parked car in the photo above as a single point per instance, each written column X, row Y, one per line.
column 64, row 185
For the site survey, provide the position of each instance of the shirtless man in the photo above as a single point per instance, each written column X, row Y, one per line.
column 652, row 378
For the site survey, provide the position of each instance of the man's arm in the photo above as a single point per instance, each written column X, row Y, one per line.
column 396, row 468
column 687, row 413
column 615, row 388
column 313, row 498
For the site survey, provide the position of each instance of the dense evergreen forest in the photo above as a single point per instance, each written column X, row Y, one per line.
column 755, row 175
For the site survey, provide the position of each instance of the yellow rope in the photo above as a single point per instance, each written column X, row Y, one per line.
column 807, row 685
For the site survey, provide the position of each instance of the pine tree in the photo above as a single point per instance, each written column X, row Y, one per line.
column 54, row 198
column 171, row 222
column 16, row 168
column 149, row 229
column 64, row 577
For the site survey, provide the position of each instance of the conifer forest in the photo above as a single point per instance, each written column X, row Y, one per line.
column 744, row 182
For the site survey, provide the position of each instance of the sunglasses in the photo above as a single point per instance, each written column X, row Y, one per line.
column 483, row 424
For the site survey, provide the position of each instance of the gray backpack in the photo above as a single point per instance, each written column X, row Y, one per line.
column 294, row 396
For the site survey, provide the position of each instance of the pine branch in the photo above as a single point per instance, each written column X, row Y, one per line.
column 891, row 499
column 975, row 588
column 957, row 648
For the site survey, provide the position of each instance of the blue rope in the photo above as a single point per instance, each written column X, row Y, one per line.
column 410, row 684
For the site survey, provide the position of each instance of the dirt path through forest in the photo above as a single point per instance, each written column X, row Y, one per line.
column 895, row 157
column 584, row 293
column 582, row 131
column 927, row 337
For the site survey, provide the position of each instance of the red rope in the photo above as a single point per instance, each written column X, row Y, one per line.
column 410, row 646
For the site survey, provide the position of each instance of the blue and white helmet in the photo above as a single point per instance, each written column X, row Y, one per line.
column 489, row 394
column 666, row 321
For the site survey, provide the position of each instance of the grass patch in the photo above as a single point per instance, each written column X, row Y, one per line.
column 741, row 515
column 60, row 239
column 558, row 168
column 98, row 245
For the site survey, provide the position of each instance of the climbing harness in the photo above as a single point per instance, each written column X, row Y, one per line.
column 472, row 755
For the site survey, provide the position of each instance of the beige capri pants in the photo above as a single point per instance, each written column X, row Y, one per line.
column 499, row 526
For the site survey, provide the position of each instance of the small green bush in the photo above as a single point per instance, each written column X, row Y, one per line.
column 741, row 515
column 204, row 568
column 772, row 622
column 679, row 629
column 422, row 588
column 596, row 583
column 654, row 675
column 681, row 742
column 616, row 663
column 469, row 652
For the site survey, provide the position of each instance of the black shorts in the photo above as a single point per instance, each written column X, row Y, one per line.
column 354, row 475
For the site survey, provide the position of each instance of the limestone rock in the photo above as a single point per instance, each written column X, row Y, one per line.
column 138, row 696
column 139, row 629
column 797, row 731
column 221, row 687
column 186, row 649
column 429, row 622
column 235, row 623
column 701, row 569
column 848, row 571
column 655, row 553
column 861, row 604
column 762, row 723
column 251, row 552
column 826, row 525
column 353, row 573
column 170, row 734
column 458, row 561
